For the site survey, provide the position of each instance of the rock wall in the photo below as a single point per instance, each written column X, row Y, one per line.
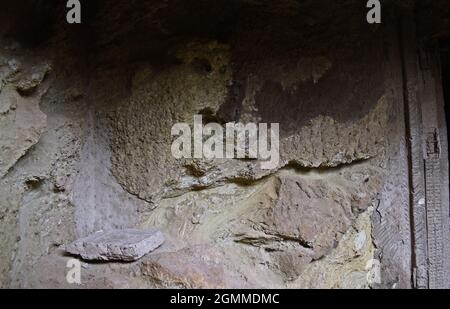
column 85, row 119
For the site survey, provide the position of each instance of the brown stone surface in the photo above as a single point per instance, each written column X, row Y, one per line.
column 85, row 119
column 191, row 268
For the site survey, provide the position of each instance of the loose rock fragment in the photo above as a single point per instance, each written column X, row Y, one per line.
column 119, row 245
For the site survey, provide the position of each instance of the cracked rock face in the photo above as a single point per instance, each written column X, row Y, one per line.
column 21, row 121
column 86, row 145
column 196, row 267
column 271, row 231
column 119, row 245
column 142, row 160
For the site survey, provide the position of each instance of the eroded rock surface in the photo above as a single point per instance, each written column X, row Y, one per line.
column 21, row 121
column 270, row 232
column 197, row 267
column 85, row 145
column 119, row 245
column 142, row 159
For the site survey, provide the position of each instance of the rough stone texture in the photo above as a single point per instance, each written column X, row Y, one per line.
column 85, row 146
column 270, row 231
column 143, row 164
column 142, row 160
column 21, row 125
column 228, row 223
column 28, row 85
column 100, row 202
column 350, row 266
column 191, row 268
column 119, row 245
column 311, row 213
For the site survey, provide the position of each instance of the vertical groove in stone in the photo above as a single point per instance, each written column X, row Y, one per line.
column 391, row 221
column 414, row 139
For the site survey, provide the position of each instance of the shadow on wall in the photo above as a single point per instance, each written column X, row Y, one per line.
column 34, row 22
column 445, row 60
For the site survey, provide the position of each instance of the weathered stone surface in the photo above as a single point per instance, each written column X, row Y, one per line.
column 326, row 142
column 9, row 68
column 351, row 265
column 142, row 159
column 312, row 213
column 119, row 245
column 36, row 142
column 21, row 126
column 93, row 152
column 299, row 220
column 285, row 222
column 28, row 84
column 21, row 121
column 196, row 267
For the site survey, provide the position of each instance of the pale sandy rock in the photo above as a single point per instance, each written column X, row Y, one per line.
column 344, row 267
column 268, row 233
column 21, row 126
column 119, row 245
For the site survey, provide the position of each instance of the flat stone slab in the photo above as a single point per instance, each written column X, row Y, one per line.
column 119, row 245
